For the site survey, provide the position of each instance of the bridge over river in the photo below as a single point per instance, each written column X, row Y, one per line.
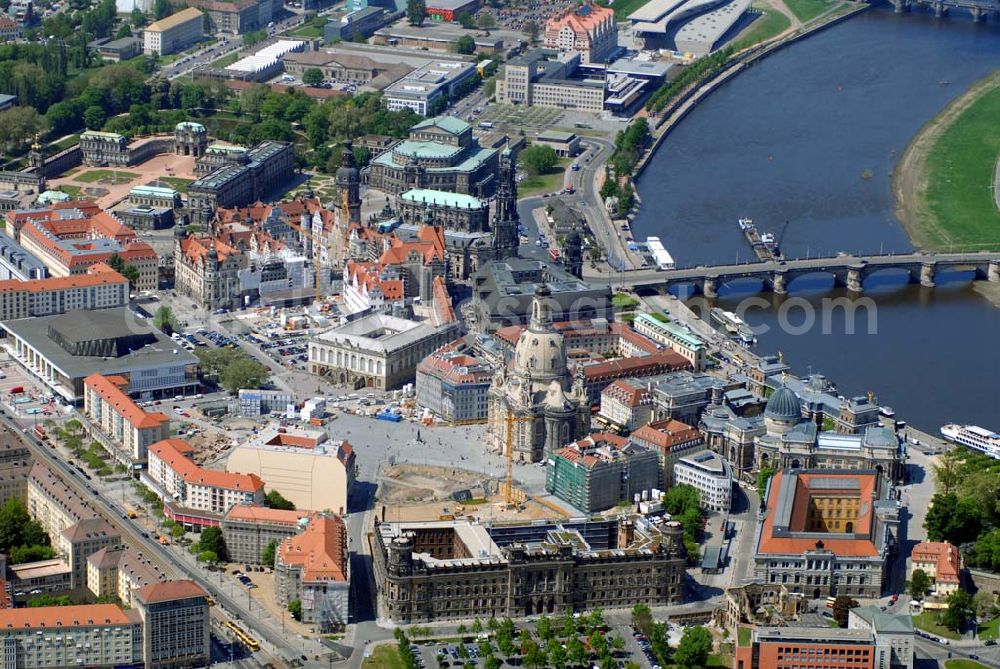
column 848, row 271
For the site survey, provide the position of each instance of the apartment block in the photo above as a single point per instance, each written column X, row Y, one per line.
column 130, row 428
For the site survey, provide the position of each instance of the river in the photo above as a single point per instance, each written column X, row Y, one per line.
column 793, row 139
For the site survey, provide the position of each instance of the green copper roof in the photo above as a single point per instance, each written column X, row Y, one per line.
column 456, row 126
column 428, row 150
column 443, row 198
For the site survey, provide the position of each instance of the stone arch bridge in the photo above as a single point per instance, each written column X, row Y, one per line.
column 848, row 271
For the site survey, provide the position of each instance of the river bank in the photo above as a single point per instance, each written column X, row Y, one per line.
column 944, row 185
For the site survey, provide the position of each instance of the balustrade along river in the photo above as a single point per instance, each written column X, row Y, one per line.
column 811, row 135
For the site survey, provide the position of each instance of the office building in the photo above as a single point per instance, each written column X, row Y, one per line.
column 237, row 17
column 15, row 465
column 828, row 532
column 675, row 336
column 248, row 529
column 129, row 429
column 255, row 403
column 440, row 154
column 431, row 86
column 313, row 567
column 521, row 568
column 61, row 351
column 672, row 440
column 453, row 384
column 309, row 470
column 100, row 288
column 175, row 625
column 87, row 635
column 586, row 29
column 174, row 33
column 601, row 471
column 941, row 561
column 176, row 477
column 710, row 475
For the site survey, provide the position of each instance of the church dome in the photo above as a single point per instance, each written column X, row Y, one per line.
column 783, row 405
column 540, row 350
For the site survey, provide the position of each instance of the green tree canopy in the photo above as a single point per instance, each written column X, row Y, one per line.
column 464, row 45
column 694, row 648
column 312, row 76
column 538, row 159
column 416, row 12
column 276, row 500
column 295, row 608
column 163, row 319
column 920, row 583
column 49, row 600
column 212, row 540
column 764, row 475
column 959, row 611
column 267, row 556
column 233, row 368
column 842, row 606
column 952, row 519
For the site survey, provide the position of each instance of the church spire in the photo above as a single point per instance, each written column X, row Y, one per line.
column 505, row 218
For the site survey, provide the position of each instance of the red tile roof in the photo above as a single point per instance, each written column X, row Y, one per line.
column 666, row 434
column 169, row 591
column 261, row 514
column 112, row 394
column 320, row 551
column 174, row 453
column 789, row 545
column 63, row 616
column 947, row 559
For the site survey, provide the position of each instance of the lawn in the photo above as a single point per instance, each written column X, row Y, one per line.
column 767, row 25
column 106, row 176
column 624, row 301
column 724, row 658
column 72, row 191
column 964, row 664
column 549, row 182
column 990, row 629
column 384, row 657
column 179, row 184
column 228, row 59
column 308, row 31
column 960, row 175
column 806, row 10
column 745, row 636
column 928, row 621
column 65, row 142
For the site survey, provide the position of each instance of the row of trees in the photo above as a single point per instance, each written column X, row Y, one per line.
column 629, row 146
column 233, row 368
column 700, row 69
column 683, row 503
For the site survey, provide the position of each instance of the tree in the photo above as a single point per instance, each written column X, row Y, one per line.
column 538, row 159
column 959, row 611
column 18, row 125
column 212, row 540
column 487, row 21
column 416, row 12
column 597, row 642
column 576, row 651
column 17, row 528
column 276, row 500
column 618, row 644
column 163, row 320
column 124, row 31
column 464, row 45
column 243, row 373
column 505, row 638
column 694, row 648
column 49, row 600
column 544, row 627
column 568, row 624
column 208, row 557
column 137, row 18
column 842, row 606
column 477, row 626
column 986, row 551
column 161, row 9
column 267, row 555
column 595, row 619
column 492, row 662
column 984, row 604
column 952, row 519
column 557, row 656
column 312, row 76
column 466, row 20
column 642, row 618
column 295, row 608
column 948, row 472
column 530, row 29
column 254, row 37
column 30, row 553
column 763, row 478
column 920, row 583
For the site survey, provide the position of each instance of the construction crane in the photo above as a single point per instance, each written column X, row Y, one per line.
column 511, row 420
